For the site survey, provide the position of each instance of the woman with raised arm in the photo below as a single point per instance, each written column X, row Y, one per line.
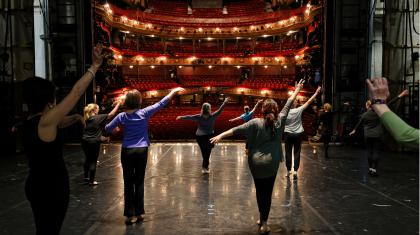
column 134, row 149
column 247, row 115
column 372, row 127
column 293, row 134
column 205, row 130
column 92, row 138
column 47, row 185
column 265, row 151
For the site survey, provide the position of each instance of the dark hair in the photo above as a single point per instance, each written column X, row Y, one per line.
column 37, row 93
column 246, row 108
column 133, row 99
column 270, row 109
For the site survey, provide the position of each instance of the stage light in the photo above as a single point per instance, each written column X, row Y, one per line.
column 131, row 66
column 200, row 29
column 285, row 67
column 180, row 38
column 181, row 29
column 209, row 39
column 152, row 67
column 180, row 66
column 210, row 66
column 297, row 57
column 252, row 27
column 238, row 67
column 152, row 35
column 235, row 29
column 119, row 56
column 265, row 66
column 217, row 29
column 193, row 58
column 124, row 18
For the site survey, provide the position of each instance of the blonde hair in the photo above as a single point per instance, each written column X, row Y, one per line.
column 206, row 110
column 327, row 107
column 88, row 110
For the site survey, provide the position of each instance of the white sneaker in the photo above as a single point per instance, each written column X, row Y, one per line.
column 314, row 151
column 264, row 228
column 205, row 171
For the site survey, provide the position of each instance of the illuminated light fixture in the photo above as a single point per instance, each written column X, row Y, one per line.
column 297, row 57
column 208, row 88
column 238, row 67
column 265, row 66
column 193, row 58
column 131, row 66
column 109, row 11
column 290, row 32
column 307, row 11
column 106, row 5
column 264, row 91
column 265, row 35
column 181, row 29
column 225, row 58
column 281, row 22
column 139, row 58
column 119, row 56
column 152, row 35
column 268, row 25
column 180, row 38
column 255, row 58
column 200, row 29
column 217, row 29
column 235, row 29
column 162, row 58
column 209, row 39
column 153, row 92
column 252, row 27
column 124, row 18
column 135, row 22
column 277, row 59
column 180, row 66
column 149, row 25
column 308, row 5
column 210, row 66
column 285, row 66
column 238, row 37
column 127, row 32
column 152, row 67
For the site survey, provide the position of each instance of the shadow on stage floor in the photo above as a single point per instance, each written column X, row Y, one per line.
column 334, row 196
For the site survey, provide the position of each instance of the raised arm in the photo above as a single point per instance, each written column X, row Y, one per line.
column 189, row 117
column 310, row 100
column 235, row 119
column 256, row 106
column 70, row 120
column 114, row 110
column 395, row 99
column 219, row 111
column 285, row 111
column 150, row 110
column 52, row 118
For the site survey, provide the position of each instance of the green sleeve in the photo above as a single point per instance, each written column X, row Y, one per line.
column 402, row 132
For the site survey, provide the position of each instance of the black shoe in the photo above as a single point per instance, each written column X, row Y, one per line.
column 131, row 220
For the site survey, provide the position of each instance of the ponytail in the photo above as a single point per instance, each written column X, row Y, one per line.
column 269, row 123
column 270, row 110
column 88, row 110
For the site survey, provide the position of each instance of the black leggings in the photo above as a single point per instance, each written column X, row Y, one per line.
column 264, row 189
column 292, row 141
column 134, row 161
column 372, row 153
column 49, row 199
column 205, row 147
column 91, row 150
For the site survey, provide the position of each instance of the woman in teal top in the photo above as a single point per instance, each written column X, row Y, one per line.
column 265, row 153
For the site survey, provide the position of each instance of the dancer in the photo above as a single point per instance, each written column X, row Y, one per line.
column 400, row 130
column 372, row 133
column 92, row 138
column 247, row 115
column 265, row 152
column 134, row 149
column 47, row 185
column 205, row 130
column 326, row 119
column 293, row 134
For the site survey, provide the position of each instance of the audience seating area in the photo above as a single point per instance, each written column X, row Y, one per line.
column 269, row 82
column 208, row 80
column 144, row 83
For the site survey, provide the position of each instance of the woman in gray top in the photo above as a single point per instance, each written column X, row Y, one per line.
column 265, row 152
column 205, row 130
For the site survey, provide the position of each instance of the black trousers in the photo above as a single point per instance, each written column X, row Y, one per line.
column 326, row 139
column 91, row 150
column 49, row 198
column 293, row 141
column 134, row 161
column 372, row 152
column 205, row 147
column 264, row 190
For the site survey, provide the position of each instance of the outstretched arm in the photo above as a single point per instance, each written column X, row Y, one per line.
column 219, row 111
column 235, row 119
column 150, row 110
column 114, row 110
column 310, row 100
column 50, row 120
column 256, row 106
column 189, row 117
column 70, row 120
column 219, row 137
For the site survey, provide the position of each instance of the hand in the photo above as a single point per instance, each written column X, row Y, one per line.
column 105, row 139
column 178, row 89
column 230, row 120
column 226, row 100
column 215, row 139
column 259, row 101
column 352, row 132
column 300, row 84
column 178, row 118
column 403, row 93
column 97, row 56
column 378, row 88
column 318, row 90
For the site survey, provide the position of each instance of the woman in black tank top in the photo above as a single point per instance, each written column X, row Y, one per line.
column 47, row 185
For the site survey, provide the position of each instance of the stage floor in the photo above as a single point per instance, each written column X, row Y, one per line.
column 334, row 196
